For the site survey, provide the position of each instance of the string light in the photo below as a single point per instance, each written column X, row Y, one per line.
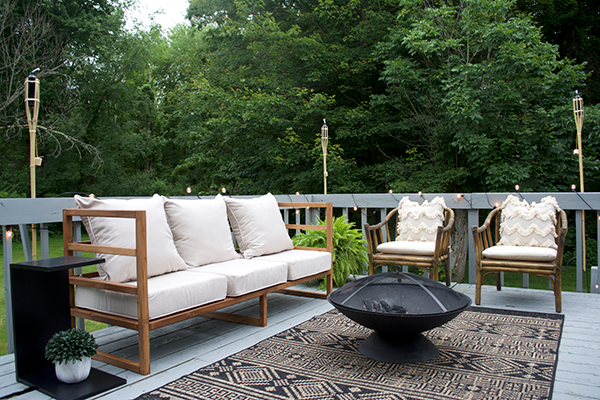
column 223, row 190
column 391, row 191
column 91, row 196
column 574, row 187
column 188, row 190
column 460, row 197
column 576, row 152
column 9, row 234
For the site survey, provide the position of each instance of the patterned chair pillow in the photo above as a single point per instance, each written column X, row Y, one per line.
column 524, row 224
column 419, row 222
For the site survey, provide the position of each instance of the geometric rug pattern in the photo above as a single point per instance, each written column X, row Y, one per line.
column 485, row 354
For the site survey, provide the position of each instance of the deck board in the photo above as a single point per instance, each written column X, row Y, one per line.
column 182, row 348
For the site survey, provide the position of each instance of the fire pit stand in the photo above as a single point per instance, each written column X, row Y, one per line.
column 398, row 307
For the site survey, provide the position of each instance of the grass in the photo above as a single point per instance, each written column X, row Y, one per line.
column 56, row 250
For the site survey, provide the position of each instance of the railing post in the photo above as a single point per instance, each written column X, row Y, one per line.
column 579, row 250
column 26, row 242
column 8, row 258
column 473, row 220
column 44, row 241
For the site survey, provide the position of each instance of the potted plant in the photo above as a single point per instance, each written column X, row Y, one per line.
column 71, row 352
column 349, row 251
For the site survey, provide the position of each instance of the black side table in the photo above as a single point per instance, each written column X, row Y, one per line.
column 41, row 307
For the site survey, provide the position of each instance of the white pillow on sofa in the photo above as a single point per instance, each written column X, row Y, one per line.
column 162, row 254
column 258, row 226
column 524, row 224
column 200, row 230
column 419, row 222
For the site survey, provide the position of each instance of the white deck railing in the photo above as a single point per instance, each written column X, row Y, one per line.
column 372, row 207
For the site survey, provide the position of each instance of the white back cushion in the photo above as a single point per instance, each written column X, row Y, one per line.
column 258, row 226
column 201, row 230
column 419, row 222
column 162, row 254
column 524, row 224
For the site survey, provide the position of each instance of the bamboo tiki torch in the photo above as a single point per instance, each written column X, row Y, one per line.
column 578, row 113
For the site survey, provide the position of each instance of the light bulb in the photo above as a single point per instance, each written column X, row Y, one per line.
column 576, row 152
column 573, row 187
column 391, row 191
column 459, row 196
column 517, row 187
column 9, row 234
column 223, row 190
column 188, row 190
column 297, row 193
column 91, row 196
column 420, row 194
column 355, row 208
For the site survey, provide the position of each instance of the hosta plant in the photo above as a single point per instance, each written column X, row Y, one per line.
column 349, row 251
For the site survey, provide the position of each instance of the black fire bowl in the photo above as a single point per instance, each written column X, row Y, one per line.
column 398, row 307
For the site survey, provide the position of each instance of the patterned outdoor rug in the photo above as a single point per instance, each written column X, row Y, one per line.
column 484, row 354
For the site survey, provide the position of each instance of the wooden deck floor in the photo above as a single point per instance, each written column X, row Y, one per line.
column 187, row 346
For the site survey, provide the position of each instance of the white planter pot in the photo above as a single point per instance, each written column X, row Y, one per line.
column 73, row 371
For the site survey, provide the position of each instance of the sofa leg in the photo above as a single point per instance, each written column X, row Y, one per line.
column 263, row 310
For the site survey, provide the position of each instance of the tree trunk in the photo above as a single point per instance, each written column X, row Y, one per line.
column 460, row 244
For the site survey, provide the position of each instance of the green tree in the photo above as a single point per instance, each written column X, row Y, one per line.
column 480, row 96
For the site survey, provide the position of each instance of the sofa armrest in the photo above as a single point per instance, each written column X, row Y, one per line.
column 328, row 227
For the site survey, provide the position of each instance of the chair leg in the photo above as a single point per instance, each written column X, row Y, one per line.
column 557, row 291
column 478, row 287
column 498, row 281
column 448, row 272
column 371, row 268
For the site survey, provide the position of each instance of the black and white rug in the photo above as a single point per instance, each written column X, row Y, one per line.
column 485, row 354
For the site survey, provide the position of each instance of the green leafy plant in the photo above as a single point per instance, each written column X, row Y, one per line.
column 349, row 251
column 70, row 345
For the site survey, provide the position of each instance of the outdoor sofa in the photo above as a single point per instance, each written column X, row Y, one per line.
column 167, row 260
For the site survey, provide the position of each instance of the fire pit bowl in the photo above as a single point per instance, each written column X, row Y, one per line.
column 398, row 307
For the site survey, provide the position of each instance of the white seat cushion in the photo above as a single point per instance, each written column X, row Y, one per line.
column 524, row 224
column 200, row 230
column 302, row 263
column 167, row 294
column 419, row 222
column 245, row 276
column 407, row 247
column 525, row 253
column 258, row 225
column 162, row 254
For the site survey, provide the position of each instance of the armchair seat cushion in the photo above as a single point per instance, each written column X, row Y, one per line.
column 522, row 253
column 407, row 247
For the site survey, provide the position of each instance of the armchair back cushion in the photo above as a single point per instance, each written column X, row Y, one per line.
column 524, row 224
column 162, row 254
column 419, row 222
column 200, row 230
column 258, row 226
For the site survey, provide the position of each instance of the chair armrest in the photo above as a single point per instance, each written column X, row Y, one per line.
column 374, row 234
column 442, row 237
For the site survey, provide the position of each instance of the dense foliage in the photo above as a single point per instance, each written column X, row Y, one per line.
column 419, row 95
column 349, row 251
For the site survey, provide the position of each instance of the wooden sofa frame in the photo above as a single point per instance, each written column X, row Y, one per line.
column 376, row 234
column 488, row 235
column 143, row 325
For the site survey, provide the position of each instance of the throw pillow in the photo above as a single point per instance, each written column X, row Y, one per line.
column 162, row 254
column 524, row 224
column 419, row 222
column 258, row 226
column 201, row 230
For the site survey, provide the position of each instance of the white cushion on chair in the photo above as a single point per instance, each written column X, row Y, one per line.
column 162, row 253
column 407, row 247
column 419, row 222
column 200, row 230
column 525, row 224
column 523, row 253
column 258, row 225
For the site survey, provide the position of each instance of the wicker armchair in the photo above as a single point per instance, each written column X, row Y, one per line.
column 522, row 259
column 424, row 255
